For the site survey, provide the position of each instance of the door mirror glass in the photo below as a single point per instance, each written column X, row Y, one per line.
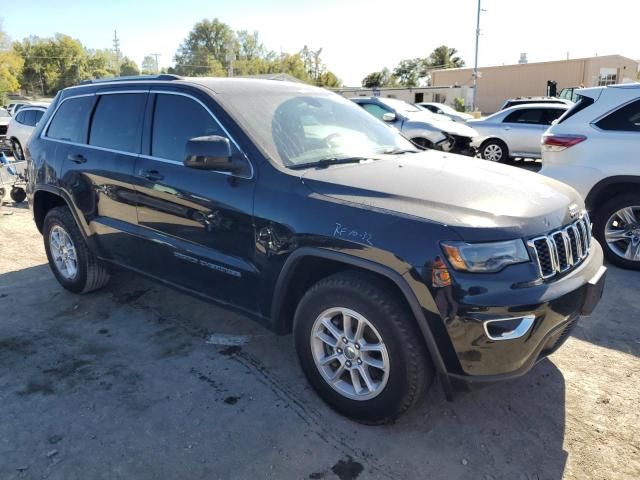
column 389, row 117
column 211, row 153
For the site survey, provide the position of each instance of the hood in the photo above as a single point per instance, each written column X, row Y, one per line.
column 461, row 192
column 5, row 120
column 448, row 126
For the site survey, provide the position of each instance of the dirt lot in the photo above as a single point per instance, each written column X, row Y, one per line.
column 125, row 383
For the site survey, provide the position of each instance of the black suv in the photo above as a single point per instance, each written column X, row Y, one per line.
column 287, row 202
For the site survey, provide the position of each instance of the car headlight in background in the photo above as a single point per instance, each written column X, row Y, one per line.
column 485, row 257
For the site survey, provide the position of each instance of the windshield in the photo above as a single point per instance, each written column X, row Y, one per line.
column 399, row 105
column 297, row 128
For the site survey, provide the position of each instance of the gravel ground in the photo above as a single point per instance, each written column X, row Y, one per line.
column 128, row 382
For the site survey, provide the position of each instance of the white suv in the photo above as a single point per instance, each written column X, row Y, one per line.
column 595, row 148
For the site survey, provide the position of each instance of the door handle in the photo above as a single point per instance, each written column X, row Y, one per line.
column 77, row 158
column 152, row 175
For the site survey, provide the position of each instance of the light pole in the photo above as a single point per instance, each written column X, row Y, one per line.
column 475, row 65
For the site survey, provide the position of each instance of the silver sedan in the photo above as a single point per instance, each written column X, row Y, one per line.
column 515, row 131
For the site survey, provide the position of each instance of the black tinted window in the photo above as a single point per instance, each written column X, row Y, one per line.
column 29, row 117
column 176, row 120
column 526, row 115
column 39, row 114
column 625, row 119
column 71, row 120
column 552, row 114
column 117, row 121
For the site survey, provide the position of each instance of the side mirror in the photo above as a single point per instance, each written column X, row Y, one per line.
column 389, row 117
column 211, row 153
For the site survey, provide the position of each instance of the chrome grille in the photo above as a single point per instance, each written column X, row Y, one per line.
column 561, row 250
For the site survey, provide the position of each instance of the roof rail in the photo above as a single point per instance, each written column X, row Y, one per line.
column 133, row 78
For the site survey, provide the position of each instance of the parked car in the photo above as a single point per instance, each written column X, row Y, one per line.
column 514, row 132
column 392, row 266
column 594, row 148
column 20, row 128
column 5, row 118
column 422, row 127
column 513, row 102
column 446, row 110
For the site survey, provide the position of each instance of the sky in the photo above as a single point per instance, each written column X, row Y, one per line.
column 357, row 36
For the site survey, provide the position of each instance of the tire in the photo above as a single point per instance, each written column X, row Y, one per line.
column 494, row 151
column 18, row 194
column 16, row 149
column 607, row 218
column 90, row 274
column 409, row 371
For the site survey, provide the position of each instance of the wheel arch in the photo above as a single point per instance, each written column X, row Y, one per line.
column 47, row 197
column 611, row 187
column 293, row 281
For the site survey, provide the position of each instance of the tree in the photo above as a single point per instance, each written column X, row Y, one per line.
column 249, row 46
column 329, row 80
column 101, row 63
column 149, row 65
column 128, row 67
column 409, row 72
column 444, row 57
column 383, row 78
column 10, row 66
column 205, row 49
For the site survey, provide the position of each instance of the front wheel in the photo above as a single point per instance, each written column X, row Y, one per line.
column 360, row 348
column 17, row 150
column 75, row 266
column 617, row 227
column 18, row 194
column 494, row 151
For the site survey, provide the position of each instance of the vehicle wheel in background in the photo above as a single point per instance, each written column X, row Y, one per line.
column 18, row 194
column 360, row 348
column 616, row 225
column 494, row 151
column 16, row 148
column 73, row 264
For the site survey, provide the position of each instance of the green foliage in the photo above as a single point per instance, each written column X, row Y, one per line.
column 383, row 78
column 128, row 67
column 149, row 66
column 206, row 49
column 458, row 104
column 444, row 57
column 10, row 66
column 409, row 72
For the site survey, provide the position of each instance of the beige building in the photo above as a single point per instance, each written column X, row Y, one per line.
column 496, row 84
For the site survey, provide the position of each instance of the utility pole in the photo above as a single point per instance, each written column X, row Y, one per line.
column 156, row 55
column 475, row 65
column 116, row 50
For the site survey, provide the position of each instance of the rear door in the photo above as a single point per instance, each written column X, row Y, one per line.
column 196, row 225
column 522, row 129
column 98, row 139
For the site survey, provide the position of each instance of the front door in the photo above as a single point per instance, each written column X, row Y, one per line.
column 196, row 225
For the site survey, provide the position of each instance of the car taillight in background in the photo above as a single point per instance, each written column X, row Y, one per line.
column 557, row 143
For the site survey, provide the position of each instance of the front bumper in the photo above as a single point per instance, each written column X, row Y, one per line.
column 487, row 354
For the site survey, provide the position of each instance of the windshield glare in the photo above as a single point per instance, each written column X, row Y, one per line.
column 399, row 105
column 296, row 129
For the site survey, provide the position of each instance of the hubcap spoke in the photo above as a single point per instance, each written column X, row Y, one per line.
column 338, row 373
column 355, row 381
column 332, row 342
column 375, row 363
column 329, row 358
column 346, row 326
column 628, row 216
column 633, row 251
column 367, row 379
column 615, row 235
column 372, row 347
column 333, row 330
column 359, row 331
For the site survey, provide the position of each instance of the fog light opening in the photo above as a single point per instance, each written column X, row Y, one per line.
column 508, row 328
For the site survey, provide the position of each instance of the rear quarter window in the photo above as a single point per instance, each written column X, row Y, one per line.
column 71, row 121
column 625, row 119
column 581, row 104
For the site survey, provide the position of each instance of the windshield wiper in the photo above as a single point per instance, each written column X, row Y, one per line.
column 325, row 162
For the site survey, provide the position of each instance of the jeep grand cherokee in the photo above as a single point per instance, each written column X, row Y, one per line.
column 390, row 265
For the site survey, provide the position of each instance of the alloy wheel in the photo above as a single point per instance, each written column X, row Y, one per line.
column 349, row 353
column 63, row 252
column 622, row 233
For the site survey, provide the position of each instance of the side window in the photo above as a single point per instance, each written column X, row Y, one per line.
column 552, row 114
column 527, row 115
column 176, row 120
column 39, row 114
column 29, row 117
column 625, row 119
column 117, row 121
column 20, row 118
column 71, row 120
column 375, row 110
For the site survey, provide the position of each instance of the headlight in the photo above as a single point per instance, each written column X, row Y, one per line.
column 485, row 257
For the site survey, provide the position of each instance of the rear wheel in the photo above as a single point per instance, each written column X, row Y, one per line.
column 617, row 228
column 75, row 267
column 494, row 151
column 360, row 348
column 18, row 194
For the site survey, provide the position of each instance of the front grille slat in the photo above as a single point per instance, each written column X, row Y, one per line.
column 561, row 250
